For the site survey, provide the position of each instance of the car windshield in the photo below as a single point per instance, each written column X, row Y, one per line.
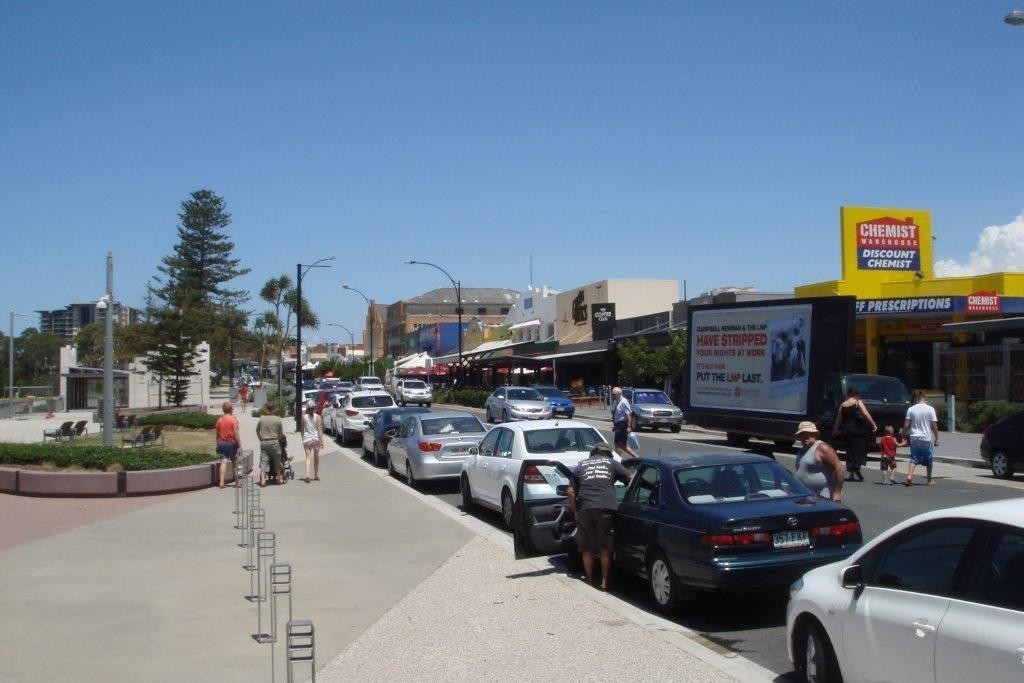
column 439, row 426
column 414, row 384
column 549, row 391
column 739, row 482
column 561, row 440
column 381, row 401
column 524, row 395
column 878, row 388
column 640, row 397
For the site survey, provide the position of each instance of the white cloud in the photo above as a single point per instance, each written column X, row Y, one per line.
column 1000, row 249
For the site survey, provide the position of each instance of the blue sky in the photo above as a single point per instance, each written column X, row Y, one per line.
column 706, row 142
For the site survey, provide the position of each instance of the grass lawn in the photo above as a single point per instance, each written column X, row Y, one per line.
column 204, row 440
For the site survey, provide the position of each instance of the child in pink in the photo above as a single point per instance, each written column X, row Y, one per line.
column 888, row 444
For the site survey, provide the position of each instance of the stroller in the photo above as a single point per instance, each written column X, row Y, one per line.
column 286, row 462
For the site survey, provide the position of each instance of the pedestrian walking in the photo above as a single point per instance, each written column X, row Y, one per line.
column 270, row 432
column 817, row 465
column 243, row 393
column 855, row 424
column 312, row 438
column 228, row 440
column 922, row 430
column 593, row 504
column 622, row 423
column 887, row 446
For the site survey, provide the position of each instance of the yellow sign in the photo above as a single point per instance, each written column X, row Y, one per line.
column 886, row 245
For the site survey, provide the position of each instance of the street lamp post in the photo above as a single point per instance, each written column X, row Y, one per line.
column 300, row 271
column 369, row 305
column 10, row 364
column 106, row 304
column 458, row 307
column 351, row 339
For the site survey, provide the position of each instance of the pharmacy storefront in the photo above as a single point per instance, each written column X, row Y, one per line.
column 901, row 305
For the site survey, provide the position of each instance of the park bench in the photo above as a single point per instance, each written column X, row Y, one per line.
column 65, row 431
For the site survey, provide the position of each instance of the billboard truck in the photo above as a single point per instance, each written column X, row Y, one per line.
column 756, row 370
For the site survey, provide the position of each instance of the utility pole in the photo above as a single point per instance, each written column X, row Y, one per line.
column 108, row 358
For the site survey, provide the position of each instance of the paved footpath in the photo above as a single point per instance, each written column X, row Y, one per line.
column 398, row 589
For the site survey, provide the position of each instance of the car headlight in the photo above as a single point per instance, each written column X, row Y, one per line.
column 516, row 407
column 796, row 587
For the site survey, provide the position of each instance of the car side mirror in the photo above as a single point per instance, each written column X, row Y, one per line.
column 390, row 432
column 473, row 450
column 853, row 577
column 562, row 490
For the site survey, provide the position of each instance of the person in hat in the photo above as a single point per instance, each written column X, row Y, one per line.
column 817, row 464
column 593, row 504
column 312, row 439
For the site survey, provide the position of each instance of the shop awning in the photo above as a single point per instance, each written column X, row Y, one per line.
column 529, row 323
column 994, row 325
column 567, row 354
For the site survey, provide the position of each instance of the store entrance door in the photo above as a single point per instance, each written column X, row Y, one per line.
column 909, row 361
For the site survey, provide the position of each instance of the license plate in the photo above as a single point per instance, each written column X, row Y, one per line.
column 791, row 539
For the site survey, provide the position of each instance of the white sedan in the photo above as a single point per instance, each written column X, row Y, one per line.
column 490, row 474
column 939, row 597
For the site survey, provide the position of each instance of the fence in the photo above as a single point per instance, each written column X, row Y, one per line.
column 983, row 373
column 28, row 401
column 270, row 584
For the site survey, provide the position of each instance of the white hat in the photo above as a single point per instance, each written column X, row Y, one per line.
column 311, row 403
column 806, row 427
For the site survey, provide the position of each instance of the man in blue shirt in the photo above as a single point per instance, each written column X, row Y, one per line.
column 622, row 423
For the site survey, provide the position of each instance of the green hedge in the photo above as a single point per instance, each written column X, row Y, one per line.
column 189, row 420
column 474, row 398
column 981, row 414
column 101, row 458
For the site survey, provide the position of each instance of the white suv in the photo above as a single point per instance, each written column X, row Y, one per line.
column 489, row 477
column 350, row 418
column 413, row 391
column 370, row 382
column 939, row 597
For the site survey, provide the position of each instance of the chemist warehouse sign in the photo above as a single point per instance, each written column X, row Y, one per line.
column 886, row 243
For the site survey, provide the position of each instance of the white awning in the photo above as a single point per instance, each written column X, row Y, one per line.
column 566, row 354
column 529, row 323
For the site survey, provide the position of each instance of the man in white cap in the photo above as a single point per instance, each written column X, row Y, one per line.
column 817, row 465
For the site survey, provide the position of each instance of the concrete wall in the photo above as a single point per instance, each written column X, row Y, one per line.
column 631, row 298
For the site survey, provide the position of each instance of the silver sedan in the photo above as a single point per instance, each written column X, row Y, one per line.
column 517, row 403
column 433, row 445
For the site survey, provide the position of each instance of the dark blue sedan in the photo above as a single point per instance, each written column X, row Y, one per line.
column 723, row 521
column 561, row 405
column 379, row 431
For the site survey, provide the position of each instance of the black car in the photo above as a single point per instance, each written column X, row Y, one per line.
column 1002, row 445
column 381, row 428
column 734, row 522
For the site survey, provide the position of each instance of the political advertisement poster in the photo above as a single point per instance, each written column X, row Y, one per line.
column 752, row 359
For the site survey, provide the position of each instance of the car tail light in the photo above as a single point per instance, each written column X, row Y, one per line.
column 429, row 446
column 532, row 475
column 350, row 412
column 718, row 540
column 836, row 530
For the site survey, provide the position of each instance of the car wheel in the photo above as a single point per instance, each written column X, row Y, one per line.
column 367, row 454
column 410, row 478
column 391, row 466
column 1001, row 465
column 378, row 459
column 818, row 663
column 507, row 510
column 662, row 584
column 467, row 493
column 504, row 416
column 428, row 405
column 403, row 404
column 675, row 429
column 487, row 417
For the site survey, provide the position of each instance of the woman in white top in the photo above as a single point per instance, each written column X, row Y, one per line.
column 312, row 439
